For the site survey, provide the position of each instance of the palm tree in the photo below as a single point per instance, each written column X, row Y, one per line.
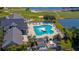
column 32, row 42
column 64, row 29
column 49, row 17
column 65, row 35
column 75, row 39
column 34, row 37
column 54, row 21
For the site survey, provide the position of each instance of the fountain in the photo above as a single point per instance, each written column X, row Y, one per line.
column 42, row 29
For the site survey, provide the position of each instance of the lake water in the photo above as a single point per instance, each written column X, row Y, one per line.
column 69, row 23
column 46, row 8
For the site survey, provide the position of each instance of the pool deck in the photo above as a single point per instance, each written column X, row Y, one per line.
column 31, row 31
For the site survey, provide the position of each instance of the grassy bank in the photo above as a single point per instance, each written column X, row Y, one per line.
column 69, row 14
column 69, row 33
column 1, row 32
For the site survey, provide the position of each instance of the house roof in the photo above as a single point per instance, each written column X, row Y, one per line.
column 20, row 23
column 13, row 35
column 14, row 16
column 1, row 18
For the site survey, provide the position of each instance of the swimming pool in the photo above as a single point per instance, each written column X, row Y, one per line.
column 43, row 29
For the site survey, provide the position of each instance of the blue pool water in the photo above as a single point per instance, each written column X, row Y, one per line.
column 69, row 23
column 39, row 32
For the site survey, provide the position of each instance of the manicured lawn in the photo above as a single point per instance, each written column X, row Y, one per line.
column 27, row 14
column 69, row 14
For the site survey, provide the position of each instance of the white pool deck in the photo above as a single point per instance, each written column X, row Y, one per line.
column 31, row 31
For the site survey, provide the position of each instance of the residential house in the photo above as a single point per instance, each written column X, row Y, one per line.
column 14, row 18
column 12, row 36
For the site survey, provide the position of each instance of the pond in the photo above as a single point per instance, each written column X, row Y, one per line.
column 46, row 8
column 69, row 22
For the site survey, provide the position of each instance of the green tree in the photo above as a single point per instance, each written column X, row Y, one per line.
column 28, row 9
column 49, row 17
column 75, row 39
column 1, row 8
column 1, row 36
column 15, row 47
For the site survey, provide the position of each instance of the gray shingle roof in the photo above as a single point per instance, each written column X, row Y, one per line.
column 15, row 16
column 6, row 23
column 13, row 35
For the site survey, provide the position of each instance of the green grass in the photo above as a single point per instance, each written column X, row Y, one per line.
column 2, row 13
column 69, row 14
column 59, row 26
column 1, row 36
column 66, row 14
column 27, row 14
column 65, row 45
column 1, row 32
